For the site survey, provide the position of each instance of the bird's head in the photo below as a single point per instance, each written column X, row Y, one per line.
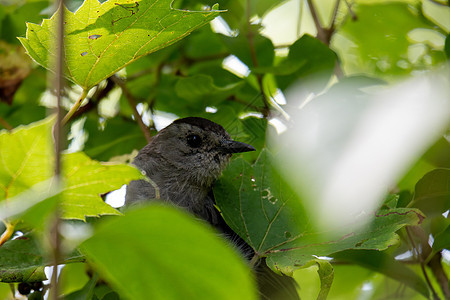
column 197, row 147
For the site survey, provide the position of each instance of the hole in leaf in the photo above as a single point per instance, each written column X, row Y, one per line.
column 265, row 193
column 94, row 36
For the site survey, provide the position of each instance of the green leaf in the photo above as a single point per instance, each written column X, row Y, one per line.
column 86, row 180
column 33, row 206
column 87, row 292
column 259, row 206
column 381, row 40
column 73, row 277
column 204, row 43
column 447, row 46
column 261, row 55
column 16, row 16
column 118, row 137
column 384, row 263
column 27, row 159
column 202, row 87
column 101, row 39
column 22, row 260
column 432, row 193
column 326, row 276
column 167, row 99
column 442, row 240
column 438, row 154
column 307, row 56
column 166, row 254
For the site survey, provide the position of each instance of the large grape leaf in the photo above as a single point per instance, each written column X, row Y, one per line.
column 161, row 252
column 101, row 39
column 27, row 159
column 258, row 204
column 86, row 180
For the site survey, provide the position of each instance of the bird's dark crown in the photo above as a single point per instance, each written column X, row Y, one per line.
column 202, row 123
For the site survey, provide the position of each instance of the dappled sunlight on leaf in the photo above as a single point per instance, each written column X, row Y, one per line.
column 98, row 36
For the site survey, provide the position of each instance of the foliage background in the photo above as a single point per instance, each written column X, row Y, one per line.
column 313, row 45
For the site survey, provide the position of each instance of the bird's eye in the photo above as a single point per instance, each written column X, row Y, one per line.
column 194, row 140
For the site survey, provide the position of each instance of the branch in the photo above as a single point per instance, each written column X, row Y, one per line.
column 55, row 238
column 251, row 44
column 132, row 102
column 421, row 261
column 439, row 273
column 333, row 17
column 321, row 31
column 233, row 98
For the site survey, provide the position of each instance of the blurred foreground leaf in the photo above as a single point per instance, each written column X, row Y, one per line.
column 27, row 158
column 158, row 252
column 258, row 204
column 101, row 39
column 86, row 180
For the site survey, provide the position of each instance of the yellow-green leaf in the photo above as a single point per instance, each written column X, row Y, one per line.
column 101, row 39
column 26, row 167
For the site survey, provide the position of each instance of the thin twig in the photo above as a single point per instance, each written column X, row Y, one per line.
column 75, row 107
column 334, row 16
column 350, row 10
column 421, row 261
column 439, row 273
column 94, row 100
column 132, row 101
column 254, row 260
column 299, row 18
column 321, row 31
column 55, row 241
column 251, row 44
column 5, row 124
column 233, row 98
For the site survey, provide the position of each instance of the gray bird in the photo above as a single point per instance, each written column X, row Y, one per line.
column 182, row 161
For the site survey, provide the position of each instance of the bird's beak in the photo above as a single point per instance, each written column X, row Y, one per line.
column 230, row 146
